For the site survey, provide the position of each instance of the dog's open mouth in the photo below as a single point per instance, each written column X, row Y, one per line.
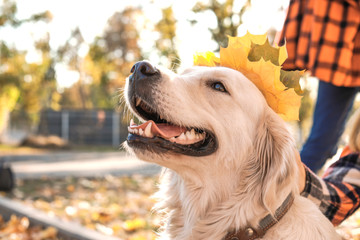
column 158, row 134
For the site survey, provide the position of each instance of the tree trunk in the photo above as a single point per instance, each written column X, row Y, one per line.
column 4, row 122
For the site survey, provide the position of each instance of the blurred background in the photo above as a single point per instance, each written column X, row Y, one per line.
column 63, row 65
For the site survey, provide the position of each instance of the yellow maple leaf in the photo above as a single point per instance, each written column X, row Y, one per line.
column 253, row 56
column 247, row 40
column 234, row 57
column 206, row 59
column 284, row 101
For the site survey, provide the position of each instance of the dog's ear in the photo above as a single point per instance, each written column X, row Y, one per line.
column 272, row 164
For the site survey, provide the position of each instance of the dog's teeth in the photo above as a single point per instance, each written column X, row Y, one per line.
column 147, row 131
column 141, row 132
column 131, row 130
column 136, row 131
column 197, row 136
column 193, row 133
column 182, row 137
column 138, row 101
column 200, row 136
column 190, row 135
column 132, row 122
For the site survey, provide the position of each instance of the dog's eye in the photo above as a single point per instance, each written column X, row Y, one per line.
column 218, row 86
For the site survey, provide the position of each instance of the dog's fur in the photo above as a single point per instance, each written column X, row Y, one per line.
column 248, row 176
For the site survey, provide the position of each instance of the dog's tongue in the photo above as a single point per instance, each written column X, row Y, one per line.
column 161, row 129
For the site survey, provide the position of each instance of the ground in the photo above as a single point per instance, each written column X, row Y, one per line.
column 118, row 206
column 114, row 205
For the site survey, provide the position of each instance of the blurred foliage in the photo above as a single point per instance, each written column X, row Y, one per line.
column 32, row 80
column 121, row 36
column 100, row 66
column 306, row 109
column 102, row 71
column 228, row 18
column 23, row 85
column 166, row 42
column 8, row 97
column 8, row 15
column 69, row 55
column 306, row 106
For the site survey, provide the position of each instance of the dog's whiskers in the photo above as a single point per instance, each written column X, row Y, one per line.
column 122, row 106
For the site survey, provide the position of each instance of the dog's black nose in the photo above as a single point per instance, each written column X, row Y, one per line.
column 144, row 69
column 143, row 77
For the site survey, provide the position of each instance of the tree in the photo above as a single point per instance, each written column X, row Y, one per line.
column 107, row 63
column 166, row 42
column 15, row 72
column 8, row 15
column 225, row 15
column 9, row 94
column 112, row 56
column 69, row 54
column 121, row 36
column 49, row 94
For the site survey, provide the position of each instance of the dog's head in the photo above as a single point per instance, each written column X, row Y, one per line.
column 204, row 118
column 198, row 113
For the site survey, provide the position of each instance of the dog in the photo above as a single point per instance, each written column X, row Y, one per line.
column 229, row 168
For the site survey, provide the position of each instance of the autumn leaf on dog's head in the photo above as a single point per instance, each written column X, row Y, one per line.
column 253, row 56
column 265, row 52
column 207, row 59
column 291, row 80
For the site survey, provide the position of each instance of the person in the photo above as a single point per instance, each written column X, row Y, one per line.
column 337, row 193
column 323, row 37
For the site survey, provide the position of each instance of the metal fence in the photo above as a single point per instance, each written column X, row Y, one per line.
column 88, row 127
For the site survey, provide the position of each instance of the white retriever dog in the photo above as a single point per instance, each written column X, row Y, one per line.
column 229, row 161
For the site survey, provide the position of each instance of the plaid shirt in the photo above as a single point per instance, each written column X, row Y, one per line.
column 337, row 194
column 323, row 37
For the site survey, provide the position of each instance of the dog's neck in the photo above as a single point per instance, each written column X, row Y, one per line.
column 201, row 207
column 250, row 233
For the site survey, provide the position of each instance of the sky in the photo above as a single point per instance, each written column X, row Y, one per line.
column 91, row 17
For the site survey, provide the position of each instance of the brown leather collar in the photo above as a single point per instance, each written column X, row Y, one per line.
column 249, row 233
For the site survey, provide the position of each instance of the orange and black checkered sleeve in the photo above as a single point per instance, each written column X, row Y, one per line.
column 337, row 194
column 323, row 37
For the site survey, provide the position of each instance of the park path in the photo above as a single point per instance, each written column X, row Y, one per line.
column 87, row 164
column 67, row 164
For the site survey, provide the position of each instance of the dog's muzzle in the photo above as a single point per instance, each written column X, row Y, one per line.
column 143, row 76
column 158, row 134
